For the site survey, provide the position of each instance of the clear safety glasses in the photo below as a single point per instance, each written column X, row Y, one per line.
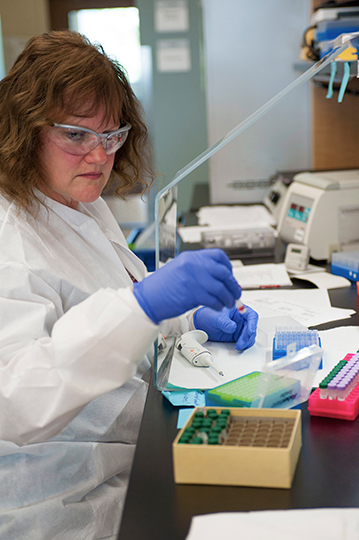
column 79, row 140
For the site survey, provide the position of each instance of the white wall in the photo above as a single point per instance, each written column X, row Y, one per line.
column 251, row 47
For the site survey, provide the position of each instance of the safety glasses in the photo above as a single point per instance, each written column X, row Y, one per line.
column 78, row 141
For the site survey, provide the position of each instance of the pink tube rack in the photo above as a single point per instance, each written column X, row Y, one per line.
column 346, row 409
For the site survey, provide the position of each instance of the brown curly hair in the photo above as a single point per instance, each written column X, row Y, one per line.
column 61, row 74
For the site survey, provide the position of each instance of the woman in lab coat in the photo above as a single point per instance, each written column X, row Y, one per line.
column 78, row 314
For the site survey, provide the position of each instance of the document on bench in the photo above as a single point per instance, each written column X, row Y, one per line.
column 257, row 276
column 311, row 524
column 270, row 275
column 309, row 307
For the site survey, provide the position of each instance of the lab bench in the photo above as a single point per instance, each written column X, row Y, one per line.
column 327, row 473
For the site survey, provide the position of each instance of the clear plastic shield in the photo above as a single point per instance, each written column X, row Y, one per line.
column 167, row 243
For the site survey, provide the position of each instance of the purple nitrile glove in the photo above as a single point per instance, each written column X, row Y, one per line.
column 228, row 325
column 192, row 279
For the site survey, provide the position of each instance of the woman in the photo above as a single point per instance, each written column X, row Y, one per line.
column 77, row 312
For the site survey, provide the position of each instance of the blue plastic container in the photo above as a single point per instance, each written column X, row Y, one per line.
column 346, row 264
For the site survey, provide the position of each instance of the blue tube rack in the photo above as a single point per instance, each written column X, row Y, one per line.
column 299, row 337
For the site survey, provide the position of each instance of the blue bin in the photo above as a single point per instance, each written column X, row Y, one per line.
column 146, row 255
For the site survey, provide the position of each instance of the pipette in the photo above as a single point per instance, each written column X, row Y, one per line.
column 190, row 346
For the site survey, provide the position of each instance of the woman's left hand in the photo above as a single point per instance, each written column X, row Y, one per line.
column 228, row 325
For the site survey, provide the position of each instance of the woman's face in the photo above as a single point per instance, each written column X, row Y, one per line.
column 72, row 179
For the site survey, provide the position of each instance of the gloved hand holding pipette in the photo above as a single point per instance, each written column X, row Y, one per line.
column 232, row 324
column 194, row 278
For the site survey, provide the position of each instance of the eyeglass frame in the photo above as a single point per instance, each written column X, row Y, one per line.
column 101, row 137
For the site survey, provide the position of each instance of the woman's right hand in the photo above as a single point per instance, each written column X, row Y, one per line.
column 194, row 278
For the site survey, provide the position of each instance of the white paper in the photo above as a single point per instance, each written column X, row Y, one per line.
column 309, row 306
column 261, row 275
column 173, row 55
column 304, row 297
column 310, row 524
column 325, row 280
column 310, row 269
column 171, row 16
column 233, row 363
column 191, row 235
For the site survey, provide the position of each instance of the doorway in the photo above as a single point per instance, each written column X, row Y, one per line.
column 115, row 27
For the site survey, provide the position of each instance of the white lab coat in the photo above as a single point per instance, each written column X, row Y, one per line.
column 73, row 343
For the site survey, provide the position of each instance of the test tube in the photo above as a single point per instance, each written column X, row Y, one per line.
column 332, row 385
column 285, row 336
column 323, row 389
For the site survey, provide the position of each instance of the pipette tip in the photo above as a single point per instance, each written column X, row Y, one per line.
column 213, row 366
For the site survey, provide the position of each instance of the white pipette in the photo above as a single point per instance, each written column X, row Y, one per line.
column 190, row 346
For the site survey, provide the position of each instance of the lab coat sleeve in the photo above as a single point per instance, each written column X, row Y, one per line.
column 46, row 378
column 178, row 325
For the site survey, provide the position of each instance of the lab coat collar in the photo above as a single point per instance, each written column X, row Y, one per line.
column 75, row 218
column 98, row 212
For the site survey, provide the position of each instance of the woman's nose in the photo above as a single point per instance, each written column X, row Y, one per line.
column 97, row 154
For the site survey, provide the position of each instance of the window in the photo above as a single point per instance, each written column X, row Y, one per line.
column 117, row 30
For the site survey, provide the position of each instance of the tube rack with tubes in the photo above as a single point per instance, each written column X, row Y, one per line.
column 338, row 393
column 285, row 336
column 238, row 447
column 296, row 337
column 341, row 380
column 242, row 392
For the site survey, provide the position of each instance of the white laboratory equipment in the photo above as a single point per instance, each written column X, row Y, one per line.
column 259, row 241
column 296, row 257
column 321, row 211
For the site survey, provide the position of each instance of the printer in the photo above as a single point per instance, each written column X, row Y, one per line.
column 321, row 211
